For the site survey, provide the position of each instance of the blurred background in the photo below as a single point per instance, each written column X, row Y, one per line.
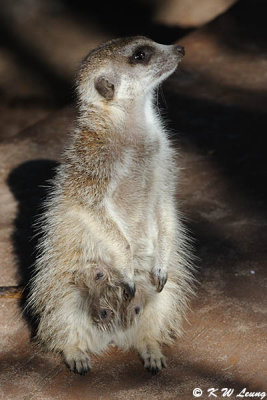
column 215, row 107
column 43, row 41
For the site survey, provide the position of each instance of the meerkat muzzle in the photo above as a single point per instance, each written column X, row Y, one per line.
column 128, row 292
column 180, row 50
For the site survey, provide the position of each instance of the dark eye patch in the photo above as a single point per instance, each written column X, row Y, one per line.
column 105, row 314
column 137, row 310
column 99, row 275
column 141, row 55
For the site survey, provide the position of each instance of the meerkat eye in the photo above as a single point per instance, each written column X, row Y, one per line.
column 137, row 310
column 105, row 314
column 141, row 55
column 99, row 275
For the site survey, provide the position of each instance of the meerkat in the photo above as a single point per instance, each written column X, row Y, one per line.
column 112, row 204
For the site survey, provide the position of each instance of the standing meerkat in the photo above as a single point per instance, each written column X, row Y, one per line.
column 112, row 211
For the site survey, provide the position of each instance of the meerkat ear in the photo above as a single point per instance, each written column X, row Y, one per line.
column 105, row 88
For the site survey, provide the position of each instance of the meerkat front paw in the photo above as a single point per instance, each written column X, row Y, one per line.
column 160, row 277
column 77, row 361
column 129, row 291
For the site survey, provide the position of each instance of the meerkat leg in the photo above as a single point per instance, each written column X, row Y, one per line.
column 123, row 257
column 147, row 340
column 66, row 340
column 79, row 340
column 105, row 230
column 160, row 275
column 152, row 356
column 166, row 239
column 66, row 328
column 77, row 344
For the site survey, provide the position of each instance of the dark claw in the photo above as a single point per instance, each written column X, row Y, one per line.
column 153, row 370
column 160, row 281
column 129, row 291
column 82, row 372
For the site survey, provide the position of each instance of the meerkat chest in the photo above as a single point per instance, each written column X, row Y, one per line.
column 134, row 191
column 138, row 176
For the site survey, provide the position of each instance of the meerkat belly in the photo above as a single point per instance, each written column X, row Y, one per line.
column 132, row 207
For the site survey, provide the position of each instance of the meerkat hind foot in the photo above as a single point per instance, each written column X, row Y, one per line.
column 78, row 362
column 154, row 362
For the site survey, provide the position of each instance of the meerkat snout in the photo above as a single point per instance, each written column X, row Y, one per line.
column 128, row 292
column 180, row 50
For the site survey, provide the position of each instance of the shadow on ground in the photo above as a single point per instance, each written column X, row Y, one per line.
column 29, row 183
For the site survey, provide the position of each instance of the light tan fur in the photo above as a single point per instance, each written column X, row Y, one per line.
column 112, row 209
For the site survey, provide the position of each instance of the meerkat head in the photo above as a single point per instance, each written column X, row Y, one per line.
column 107, row 297
column 126, row 68
column 110, row 304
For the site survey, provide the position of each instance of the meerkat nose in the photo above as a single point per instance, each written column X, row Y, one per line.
column 128, row 292
column 180, row 50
